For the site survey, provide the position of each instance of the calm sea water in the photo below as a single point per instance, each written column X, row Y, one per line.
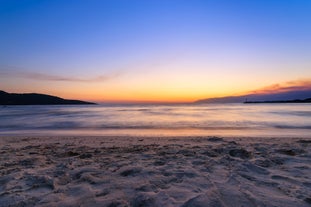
column 156, row 120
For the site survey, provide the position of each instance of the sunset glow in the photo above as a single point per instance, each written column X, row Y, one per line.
column 154, row 51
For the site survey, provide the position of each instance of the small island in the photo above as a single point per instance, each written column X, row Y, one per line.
column 35, row 99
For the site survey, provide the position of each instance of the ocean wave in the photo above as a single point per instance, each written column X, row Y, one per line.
column 243, row 118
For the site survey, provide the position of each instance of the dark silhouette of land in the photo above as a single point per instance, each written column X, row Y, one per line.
column 35, row 99
column 295, row 96
column 308, row 100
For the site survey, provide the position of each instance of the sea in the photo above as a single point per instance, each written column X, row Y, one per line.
column 242, row 120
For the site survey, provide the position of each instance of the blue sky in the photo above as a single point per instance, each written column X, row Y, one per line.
column 152, row 50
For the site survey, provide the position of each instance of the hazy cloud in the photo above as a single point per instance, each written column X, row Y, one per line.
column 50, row 77
column 301, row 84
column 18, row 73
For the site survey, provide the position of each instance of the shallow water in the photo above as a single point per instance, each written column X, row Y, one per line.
column 156, row 120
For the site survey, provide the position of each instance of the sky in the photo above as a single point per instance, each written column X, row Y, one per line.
column 155, row 50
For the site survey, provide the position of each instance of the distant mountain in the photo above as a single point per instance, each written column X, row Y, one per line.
column 272, row 97
column 34, row 99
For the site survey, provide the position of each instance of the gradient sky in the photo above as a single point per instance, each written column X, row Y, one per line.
column 162, row 50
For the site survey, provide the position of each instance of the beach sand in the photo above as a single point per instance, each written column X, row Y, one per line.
column 155, row 171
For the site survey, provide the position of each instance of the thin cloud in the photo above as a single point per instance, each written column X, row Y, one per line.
column 13, row 72
column 50, row 77
column 303, row 84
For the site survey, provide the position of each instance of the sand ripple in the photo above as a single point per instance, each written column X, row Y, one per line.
column 165, row 171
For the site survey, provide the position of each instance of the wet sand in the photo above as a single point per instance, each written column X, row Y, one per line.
column 155, row 171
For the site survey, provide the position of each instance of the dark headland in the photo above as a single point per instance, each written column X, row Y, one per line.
column 308, row 100
column 35, row 99
column 295, row 96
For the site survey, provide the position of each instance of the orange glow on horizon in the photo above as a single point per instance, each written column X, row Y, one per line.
column 176, row 95
column 172, row 91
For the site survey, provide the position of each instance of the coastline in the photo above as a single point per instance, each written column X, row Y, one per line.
column 154, row 171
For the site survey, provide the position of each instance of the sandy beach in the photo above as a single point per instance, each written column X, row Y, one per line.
column 155, row 171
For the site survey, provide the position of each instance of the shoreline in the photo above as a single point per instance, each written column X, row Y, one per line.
column 154, row 171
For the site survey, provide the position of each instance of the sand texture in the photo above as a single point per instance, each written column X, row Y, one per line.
column 164, row 171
